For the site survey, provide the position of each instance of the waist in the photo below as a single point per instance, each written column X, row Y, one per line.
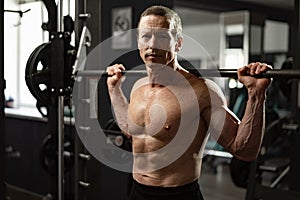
column 189, row 187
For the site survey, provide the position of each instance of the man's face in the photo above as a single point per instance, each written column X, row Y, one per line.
column 156, row 41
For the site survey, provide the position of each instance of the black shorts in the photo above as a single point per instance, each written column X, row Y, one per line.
column 190, row 191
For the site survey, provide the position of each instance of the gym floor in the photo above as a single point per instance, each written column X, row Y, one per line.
column 216, row 183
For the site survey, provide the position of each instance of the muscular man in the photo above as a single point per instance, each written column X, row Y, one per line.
column 171, row 112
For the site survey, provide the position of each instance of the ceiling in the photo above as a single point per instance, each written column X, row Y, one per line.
column 274, row 3
column 281, row 9
column 286, row 4
column 192, row 14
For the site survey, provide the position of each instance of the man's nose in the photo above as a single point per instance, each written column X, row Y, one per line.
column 153, row 42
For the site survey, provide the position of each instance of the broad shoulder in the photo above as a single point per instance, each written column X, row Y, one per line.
column 208, row 89
column 215, row 92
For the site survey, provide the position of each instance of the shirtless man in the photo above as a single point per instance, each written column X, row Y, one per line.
column 171, row 104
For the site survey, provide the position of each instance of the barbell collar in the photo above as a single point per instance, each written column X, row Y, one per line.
column 229, row 73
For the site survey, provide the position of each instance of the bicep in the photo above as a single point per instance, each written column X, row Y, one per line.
column 227, row 128
column 222, row 123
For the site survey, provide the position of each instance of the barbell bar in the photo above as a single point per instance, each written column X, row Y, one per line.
column 229, row 73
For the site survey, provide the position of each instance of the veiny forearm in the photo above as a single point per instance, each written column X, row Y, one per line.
column 251, row 129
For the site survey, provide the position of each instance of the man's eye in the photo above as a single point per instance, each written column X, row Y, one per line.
column 146, row 36
column 162, row 36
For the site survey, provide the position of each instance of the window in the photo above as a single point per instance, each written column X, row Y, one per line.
column 22, row 35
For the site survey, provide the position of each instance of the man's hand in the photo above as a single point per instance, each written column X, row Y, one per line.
column 250, row 82
column 114, row 75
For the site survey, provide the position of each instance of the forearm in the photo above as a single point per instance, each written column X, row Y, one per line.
column 251, row 129
column 243, row 139
column 120, row 107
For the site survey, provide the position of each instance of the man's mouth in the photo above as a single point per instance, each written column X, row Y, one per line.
column 152, row 55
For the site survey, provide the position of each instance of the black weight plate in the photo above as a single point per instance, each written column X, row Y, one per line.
column 37, row 73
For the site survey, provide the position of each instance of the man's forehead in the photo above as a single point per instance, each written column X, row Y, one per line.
column 155, row 29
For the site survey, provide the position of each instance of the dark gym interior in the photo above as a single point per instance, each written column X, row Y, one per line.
column 46, row 113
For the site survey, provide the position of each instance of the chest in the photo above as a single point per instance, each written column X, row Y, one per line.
column 157, row 108
column 147, row 103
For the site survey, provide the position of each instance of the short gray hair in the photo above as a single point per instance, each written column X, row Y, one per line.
column 170, row 14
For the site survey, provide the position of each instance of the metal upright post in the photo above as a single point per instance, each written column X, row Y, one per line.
column 60, row 116
column 295, row 141
column 80, row 8
column 60, row 148
column 2, row 99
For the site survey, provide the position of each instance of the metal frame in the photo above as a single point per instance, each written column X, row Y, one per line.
column 2, row 99
column 82, row 34
column 60, row 107
column 55, row 26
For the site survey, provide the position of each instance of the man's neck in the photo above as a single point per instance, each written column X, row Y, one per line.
column 163, row 74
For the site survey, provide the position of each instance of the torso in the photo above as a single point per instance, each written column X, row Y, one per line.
column 155, row 119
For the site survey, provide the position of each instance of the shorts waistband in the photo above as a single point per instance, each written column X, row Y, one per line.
column 152, row 189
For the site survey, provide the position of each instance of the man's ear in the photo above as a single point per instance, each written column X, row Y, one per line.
column 178, row 44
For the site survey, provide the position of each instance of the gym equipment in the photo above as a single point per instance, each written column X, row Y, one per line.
column 48, row 77
column 38, row 75
column 48, row 154
column 232, row 73
column 267, row 176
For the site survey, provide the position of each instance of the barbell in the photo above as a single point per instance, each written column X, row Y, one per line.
column 229, row 73
column 38, row 71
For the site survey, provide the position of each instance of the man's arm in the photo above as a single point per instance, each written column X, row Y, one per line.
column 118, row 99
column 243, row 138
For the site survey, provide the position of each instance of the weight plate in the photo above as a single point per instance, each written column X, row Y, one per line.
column 37, row 73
